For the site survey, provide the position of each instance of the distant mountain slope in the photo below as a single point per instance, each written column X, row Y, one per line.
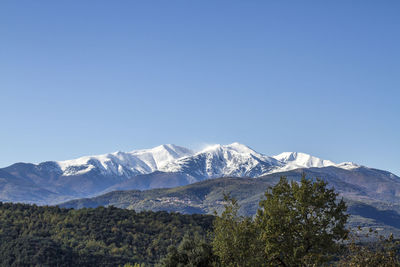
column 153, row 180
column 363, row 184
column 22, row 190
column 159, row 167
column 358, row 187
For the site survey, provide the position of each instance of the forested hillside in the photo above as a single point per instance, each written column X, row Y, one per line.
column 52, row 236
column 367, row 207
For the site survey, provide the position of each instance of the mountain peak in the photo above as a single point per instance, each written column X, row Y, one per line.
column 176, row 151
column 290, row 156
column 167, row 146
column 236, row 147
column 295, row 160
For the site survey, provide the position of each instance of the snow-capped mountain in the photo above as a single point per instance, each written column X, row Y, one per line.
column 296, row 160
column 224, row 160
column 126, row 163
column 158, row 167
column 302, row 160
column 214, row 161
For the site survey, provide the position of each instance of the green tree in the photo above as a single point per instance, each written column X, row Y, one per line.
column 300, row 223
column 191, row 252
column 236, row 239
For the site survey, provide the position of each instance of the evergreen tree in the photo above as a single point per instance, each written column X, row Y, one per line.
column 236, row 239
column 300, row 223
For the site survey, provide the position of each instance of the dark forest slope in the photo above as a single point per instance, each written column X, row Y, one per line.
column 52, row 236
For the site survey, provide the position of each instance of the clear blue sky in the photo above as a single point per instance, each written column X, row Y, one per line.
column 90, row 77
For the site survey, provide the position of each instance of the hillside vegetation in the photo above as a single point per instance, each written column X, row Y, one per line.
column 52, row 236
column 367, row 208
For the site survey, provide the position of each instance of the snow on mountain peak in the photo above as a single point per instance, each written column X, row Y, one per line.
column 234, row 147
column 223, row 160
column 348, row 165
column 240, row 148
column 160, row 155
column 295, row 160
column 213, row 161
column 303, row 159
column 126, row 163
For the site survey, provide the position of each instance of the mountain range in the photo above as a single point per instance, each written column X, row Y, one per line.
column 213, row 161
column 163, row 166
column 174, row 178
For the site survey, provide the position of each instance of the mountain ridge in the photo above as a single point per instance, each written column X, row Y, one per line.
column 167, row 165
column 173, row 158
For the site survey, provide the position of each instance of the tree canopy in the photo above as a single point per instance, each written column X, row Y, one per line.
column 52, row 236
column 236, row 239
column 297, row 224
column 192, row 251
column 301, row 223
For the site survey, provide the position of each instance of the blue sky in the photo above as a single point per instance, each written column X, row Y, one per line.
column 91, row 77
